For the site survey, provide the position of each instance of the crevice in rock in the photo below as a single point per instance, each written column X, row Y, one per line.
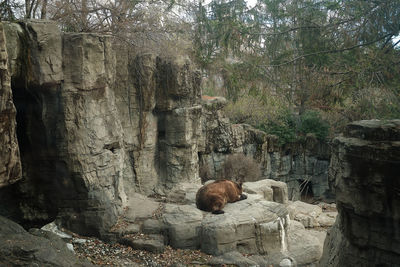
column 112, row 147
column 35, row 191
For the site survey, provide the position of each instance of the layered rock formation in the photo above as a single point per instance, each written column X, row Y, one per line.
column 95, row 125
column 158, row 102
column 257, row 226
column 10, row 167
column 365, row 173
column 68, row 129
column 302, row 165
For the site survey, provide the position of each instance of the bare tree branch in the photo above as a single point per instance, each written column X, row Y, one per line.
column 332, row 51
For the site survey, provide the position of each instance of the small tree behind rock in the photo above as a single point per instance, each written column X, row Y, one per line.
column 238, row 167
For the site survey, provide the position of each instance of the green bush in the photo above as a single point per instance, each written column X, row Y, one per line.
column 283, row 126
column 312, row 122
column 289, row 127
column 271, row 116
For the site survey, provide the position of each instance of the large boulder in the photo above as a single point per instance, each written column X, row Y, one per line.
column 183, row 224
column 270, row 189
column 41, row 248
column 365, row 174
column 250, row 226
column 305, row 213
column 253, row 226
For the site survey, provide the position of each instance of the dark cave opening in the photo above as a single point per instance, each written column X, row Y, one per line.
column 32, row 198
column 306, row 191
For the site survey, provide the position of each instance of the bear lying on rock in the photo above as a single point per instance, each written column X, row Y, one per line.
column 213, row 196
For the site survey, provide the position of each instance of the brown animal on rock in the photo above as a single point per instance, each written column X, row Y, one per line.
column 213, row 196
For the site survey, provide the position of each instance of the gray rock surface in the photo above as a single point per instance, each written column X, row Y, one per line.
column 233, row 258
column 271, row 190
column 38, row 248
column 154, row 243
column 299, row 163
column 250, row 226
column 364, row 173
column 139, row 207
column 152, row 226
column 183, row 225
column 70, row 136
column 95, row 126
column 184, row 193
column 304, row 247
column 10, row 164
column 305, row 213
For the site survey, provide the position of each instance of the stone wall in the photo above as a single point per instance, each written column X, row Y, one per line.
column 364, row 172
column 302, row 165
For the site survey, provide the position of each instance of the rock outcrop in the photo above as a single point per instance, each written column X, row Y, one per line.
column 37, row 248
column 365, row 173
column 158, row 101
column 302, row 165
column 68, row 129
column 88, row 137
column 95, row 126
column 257, row 226
column 10, row 167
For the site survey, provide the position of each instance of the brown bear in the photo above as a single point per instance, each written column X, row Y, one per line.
column 213, row 196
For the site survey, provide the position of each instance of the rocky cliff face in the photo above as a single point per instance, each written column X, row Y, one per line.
column 365, row 173
column 158, row 101
column 10, row 167
column 68, row 127
column 302, row 165
column 95, row 124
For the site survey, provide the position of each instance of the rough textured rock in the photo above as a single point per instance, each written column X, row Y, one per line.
column 10, row 164
column 249, row 226
column 41, row 248
column 271, row 190
column 94, row 126
column 233, row 258
column 158, row 102
column 68, row 129
column 183, row 224
column 152, row 226
column 184, row 193
column 139, row 207
column 155, row 243
column 252, row 226
column 305, row 213
column 303, row 165
column 365, row 176
column 304, row 247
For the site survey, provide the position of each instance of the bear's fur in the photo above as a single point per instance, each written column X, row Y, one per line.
column 213, row 196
